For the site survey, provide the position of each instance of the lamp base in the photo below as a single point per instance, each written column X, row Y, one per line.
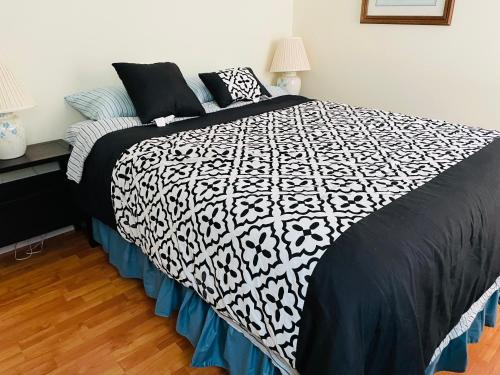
column 12, row 137
column 290, row 82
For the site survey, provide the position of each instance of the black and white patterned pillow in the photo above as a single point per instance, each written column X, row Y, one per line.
column 241, row 84
column 232, row 85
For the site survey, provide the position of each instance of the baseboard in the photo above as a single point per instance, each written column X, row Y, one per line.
column 9, row 248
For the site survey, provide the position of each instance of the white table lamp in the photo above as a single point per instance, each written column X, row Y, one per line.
column 12, row 99
column 290, row 57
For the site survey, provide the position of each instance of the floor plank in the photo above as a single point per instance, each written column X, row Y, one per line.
column 67, row 311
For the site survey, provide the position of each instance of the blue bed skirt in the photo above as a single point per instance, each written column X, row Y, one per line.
column 216, row 343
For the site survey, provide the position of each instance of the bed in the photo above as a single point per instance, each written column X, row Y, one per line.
column 323, row 238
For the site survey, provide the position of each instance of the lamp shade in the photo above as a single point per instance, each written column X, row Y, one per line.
column 290, row 56
column 12, row 97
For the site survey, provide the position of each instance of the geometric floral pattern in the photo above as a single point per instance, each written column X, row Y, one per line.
column 242, row 212
column 241, row 84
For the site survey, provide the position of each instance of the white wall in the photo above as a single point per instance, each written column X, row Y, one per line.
column 57, row 47
column 450, row 73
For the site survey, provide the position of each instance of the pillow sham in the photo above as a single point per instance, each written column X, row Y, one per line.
column 102, row 103
column 236, row 84
column 158, row 90
column 200, row 90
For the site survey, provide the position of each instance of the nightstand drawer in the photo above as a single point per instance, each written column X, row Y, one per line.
column 34, row 185
column 33, row 206
column 25, row 173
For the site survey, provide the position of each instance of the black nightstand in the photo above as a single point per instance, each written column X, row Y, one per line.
column 35, row 194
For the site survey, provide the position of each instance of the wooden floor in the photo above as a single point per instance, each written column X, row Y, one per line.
column 67, row 311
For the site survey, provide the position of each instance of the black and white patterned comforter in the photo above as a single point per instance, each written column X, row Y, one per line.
column 242, row 212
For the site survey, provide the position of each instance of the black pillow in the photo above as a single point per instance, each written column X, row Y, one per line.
column 158, row 90
column 231, row 85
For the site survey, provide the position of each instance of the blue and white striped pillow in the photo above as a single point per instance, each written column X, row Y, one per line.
column 102, row 103
column 200, row 90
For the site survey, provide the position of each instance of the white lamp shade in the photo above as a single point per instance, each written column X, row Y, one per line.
column 290, row 56
column 12, row 97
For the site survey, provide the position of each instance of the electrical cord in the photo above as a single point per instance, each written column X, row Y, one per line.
column 33, row 248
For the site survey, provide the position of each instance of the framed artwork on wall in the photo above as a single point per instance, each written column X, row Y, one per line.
column 409, row 12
